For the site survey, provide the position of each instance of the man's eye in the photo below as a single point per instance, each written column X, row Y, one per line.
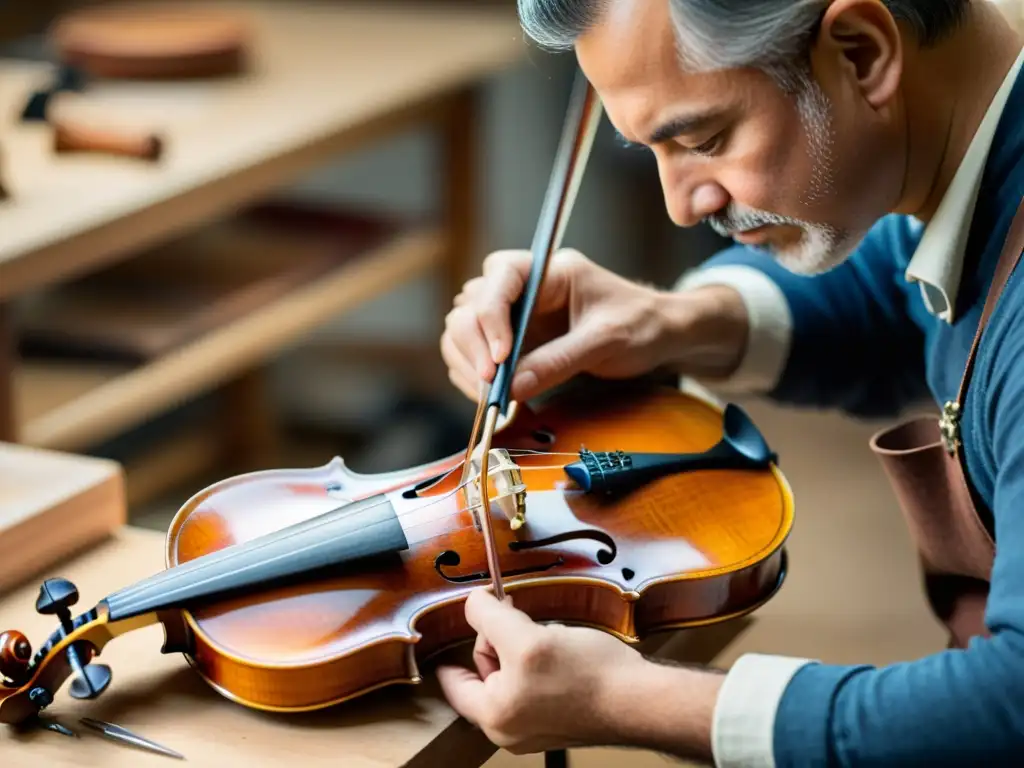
column 709, row 147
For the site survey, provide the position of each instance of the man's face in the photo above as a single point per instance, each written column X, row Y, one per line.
column 803, row 174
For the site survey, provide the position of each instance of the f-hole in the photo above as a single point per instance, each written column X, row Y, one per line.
column 604, row 556
column 414, row 492
column 544, row 436
column 450, row 559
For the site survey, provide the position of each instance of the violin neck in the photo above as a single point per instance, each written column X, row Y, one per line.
column 362, row 529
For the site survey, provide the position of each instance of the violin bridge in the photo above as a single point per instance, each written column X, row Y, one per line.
column 505, row 482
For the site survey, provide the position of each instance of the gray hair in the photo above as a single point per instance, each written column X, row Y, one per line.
column 771, row 35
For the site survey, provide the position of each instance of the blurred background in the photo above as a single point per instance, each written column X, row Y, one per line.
column 228, row 241
column 361, row 375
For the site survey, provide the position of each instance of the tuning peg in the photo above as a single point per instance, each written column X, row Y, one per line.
column 56, row 596
column 91, row 681
column 15, row 655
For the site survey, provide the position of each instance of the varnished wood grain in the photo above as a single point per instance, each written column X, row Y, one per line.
column 152, row 41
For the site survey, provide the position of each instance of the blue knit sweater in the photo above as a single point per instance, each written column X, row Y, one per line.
column 864, row 342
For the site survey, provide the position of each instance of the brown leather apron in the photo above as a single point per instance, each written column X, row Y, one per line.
column 923, row 460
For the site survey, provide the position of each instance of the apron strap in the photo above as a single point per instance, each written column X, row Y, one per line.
column 1008, row 260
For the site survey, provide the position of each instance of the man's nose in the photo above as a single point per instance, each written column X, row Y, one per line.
column 691, row 205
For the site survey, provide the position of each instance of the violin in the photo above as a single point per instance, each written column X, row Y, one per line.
column 629, row 507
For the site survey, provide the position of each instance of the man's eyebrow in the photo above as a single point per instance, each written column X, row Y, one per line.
column 678, row 126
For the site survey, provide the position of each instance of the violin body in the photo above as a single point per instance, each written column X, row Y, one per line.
column 688, row 549
column 399, row 553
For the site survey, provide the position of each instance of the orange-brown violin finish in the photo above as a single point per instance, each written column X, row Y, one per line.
column 684, row 549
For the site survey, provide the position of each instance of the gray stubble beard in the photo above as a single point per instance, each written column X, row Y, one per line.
column 822, row 246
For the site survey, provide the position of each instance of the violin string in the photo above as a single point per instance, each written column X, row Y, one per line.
column 304, row 528
column 340, row 513
column 460, row 465
column 128, row 598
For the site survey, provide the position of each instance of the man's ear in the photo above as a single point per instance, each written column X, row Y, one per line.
column 860, row 44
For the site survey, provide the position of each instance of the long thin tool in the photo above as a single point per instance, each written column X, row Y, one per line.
column 53, row 725
column 582, row 120
column 123, row 735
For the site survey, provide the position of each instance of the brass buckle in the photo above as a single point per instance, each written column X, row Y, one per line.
column 949, row 426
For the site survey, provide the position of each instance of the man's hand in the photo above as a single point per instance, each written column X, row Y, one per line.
column 586, row 320
column 543, row 687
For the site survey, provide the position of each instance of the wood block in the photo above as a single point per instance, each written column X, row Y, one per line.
column 53, row 505
column 152, row 40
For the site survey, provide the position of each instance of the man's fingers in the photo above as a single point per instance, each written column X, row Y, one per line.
column 468, row 292
column 501, row 624
column 497, row 261
column 455, row 360
column 505, row 273
column 464, row 691
column 485, row 657
column 465, row 331
column 460, row 370
column 555, row 362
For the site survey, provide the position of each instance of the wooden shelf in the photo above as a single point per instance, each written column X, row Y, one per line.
column 71, row 406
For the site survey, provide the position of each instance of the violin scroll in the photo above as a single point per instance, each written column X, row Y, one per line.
column 15, row 655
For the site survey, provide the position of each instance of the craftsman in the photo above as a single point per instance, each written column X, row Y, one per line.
column 867, row 158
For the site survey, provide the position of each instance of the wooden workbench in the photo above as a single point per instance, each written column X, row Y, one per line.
column 326, row 78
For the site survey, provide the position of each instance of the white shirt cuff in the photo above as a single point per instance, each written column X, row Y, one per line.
column 742, row 733
column 771, row 325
